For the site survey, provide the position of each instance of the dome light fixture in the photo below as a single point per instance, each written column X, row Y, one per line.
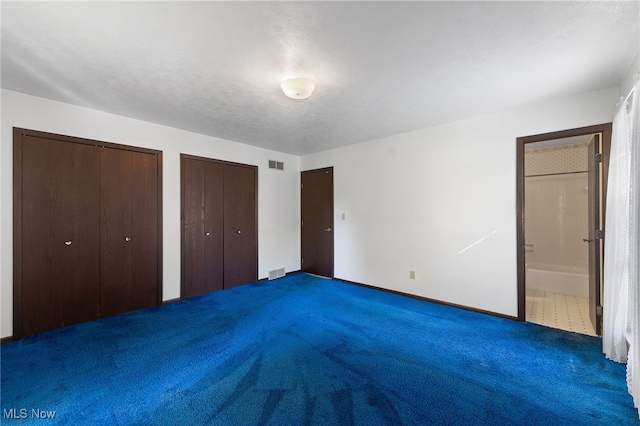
column 297, row 88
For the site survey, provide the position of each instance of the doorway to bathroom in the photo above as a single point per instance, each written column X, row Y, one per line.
column 561, row 188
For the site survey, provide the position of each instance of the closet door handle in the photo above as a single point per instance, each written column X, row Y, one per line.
column 207, row 233
column 587, row 240
column 67, row 243
column 127, row 239
column 239, row 231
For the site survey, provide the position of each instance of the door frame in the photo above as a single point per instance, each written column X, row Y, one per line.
column 605, row 130
column 18, row 134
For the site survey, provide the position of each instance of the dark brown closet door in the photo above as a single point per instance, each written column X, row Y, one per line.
column 213, row 227
column 144, row 230
column 240, row 225
column 81, row 179
column 193, row 281
column 58, row 216
column 128, row 231
column 202, row 244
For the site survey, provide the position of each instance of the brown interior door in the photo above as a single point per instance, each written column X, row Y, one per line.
column 193, row 282
column 59, row 235
column 128, row 231
column 87, row 230
column 143, row 240
column 240, row 225
column 213, row 227
column 115, row 227
column 595, row 234
column 42, row 237
column 202, row 237
column 317, row 221
column 81, row 180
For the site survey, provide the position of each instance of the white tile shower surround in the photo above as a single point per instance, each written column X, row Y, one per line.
column 569, row 313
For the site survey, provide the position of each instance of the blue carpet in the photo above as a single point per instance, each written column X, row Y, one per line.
column 303, row 350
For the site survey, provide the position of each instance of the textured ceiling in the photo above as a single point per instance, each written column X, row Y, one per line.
column 380, row 68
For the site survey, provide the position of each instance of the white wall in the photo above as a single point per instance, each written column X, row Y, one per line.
column 278, row 192
column 442, row 202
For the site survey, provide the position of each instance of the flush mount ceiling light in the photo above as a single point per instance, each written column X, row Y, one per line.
column 297, row 88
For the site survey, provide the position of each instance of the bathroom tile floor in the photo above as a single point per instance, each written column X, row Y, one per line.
column 559, row 311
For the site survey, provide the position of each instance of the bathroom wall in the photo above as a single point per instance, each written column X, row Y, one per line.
column 556, row 209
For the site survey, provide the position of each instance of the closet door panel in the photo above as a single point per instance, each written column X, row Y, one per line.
column 213, row 227
column 115, row 227
column 219, row 240
column 87, row 237
column 240, row 226
column 143, row 242
column 80, row 180
column 60, row 258
column 193, row 281
column 42, row 235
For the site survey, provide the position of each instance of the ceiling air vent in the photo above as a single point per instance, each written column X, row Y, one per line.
column 276, row 165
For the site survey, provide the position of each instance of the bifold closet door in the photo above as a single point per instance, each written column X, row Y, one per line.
column 86, row 230
column 240, row 225
column 57, row 223
column 219, row 225
column 202, row 245
column 128, row 231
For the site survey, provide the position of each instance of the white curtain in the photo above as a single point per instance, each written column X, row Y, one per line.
column 633, row 326
column 616, row 242
column 621, row 303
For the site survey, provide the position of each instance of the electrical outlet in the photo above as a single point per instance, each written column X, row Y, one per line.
column 412, row 275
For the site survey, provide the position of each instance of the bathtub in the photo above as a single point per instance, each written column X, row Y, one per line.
column 558, row 279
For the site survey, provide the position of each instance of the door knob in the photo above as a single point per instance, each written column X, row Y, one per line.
column 67, row 243
column 587, row 240
column 327, row 229
column 239, row 231
column 127, row 239
column 207, row 233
